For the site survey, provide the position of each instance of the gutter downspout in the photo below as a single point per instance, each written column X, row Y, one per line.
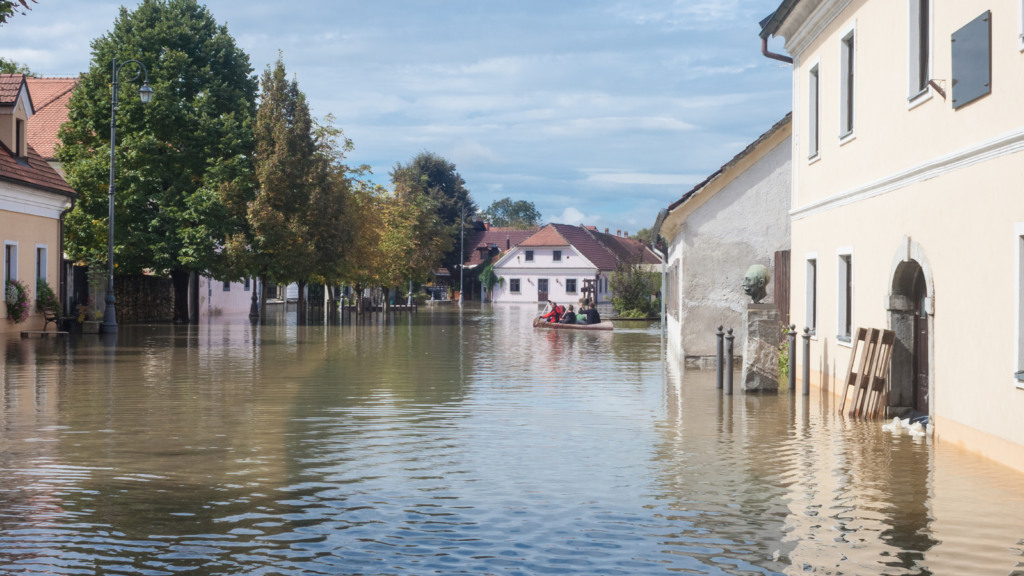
column 773, row 55
column 662, row 214
column 62, row 274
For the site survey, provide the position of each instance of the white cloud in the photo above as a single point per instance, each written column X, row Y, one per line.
column 573, row 216
column 641, row 178
column 472, row 152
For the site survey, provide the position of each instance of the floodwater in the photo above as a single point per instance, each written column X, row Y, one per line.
column 459, row 443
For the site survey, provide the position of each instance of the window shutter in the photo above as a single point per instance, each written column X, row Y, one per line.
column 972, row 60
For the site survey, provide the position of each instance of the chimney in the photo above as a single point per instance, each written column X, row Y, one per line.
column 508, row 242
column 618, row 233
column 605, row 230
column 487, row 225
column 626, row 235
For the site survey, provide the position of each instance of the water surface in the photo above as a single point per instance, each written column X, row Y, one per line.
column 458, row 443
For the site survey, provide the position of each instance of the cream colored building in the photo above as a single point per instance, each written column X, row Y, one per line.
column 32, row 198
column 907, row 208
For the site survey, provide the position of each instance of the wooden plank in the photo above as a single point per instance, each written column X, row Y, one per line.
column 44, row 334
column 781, row 281
column 850, row 374
column 881, row 375
column 868, row 378
column 865, row 358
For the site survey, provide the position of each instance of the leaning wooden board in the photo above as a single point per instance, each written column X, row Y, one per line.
column 606, row 325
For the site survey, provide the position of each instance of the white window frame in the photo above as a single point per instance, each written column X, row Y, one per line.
column 917, row 97
column 575, row 284
column 14, row 265
column 1018, row 281
column 227, row 287
column 850, row 33
column 810, row 293
column 559, row 253
column 510, row 290
column 529, row 256
column 46, row 262
column 841, row 295
column 815, row 138
column 245, row 284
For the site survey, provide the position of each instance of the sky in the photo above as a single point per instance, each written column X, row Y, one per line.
column 600, row 112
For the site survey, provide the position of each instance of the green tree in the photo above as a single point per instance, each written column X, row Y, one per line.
column 12, row 67
column 633, row 284
column 9, row 8
column 519, row 214
column 183, row 160
column 431, row 174
column 644, row 235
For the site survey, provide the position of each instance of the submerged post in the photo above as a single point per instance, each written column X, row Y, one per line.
column 728, row 363
column 792, row 359
column 807, row 361
column 719, row 353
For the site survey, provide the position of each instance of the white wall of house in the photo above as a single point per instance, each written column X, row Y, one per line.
column 216, row 298
column 560, row 275
column 718, row 238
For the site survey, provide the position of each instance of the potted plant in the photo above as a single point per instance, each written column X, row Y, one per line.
column 18, row 300
column 90, row 317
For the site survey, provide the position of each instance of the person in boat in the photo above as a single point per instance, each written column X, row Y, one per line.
column 569, row 317
column 593, row 317
column 555, row 314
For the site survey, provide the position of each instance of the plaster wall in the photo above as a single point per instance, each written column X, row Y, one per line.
column 743, row 223
column 8, row 124
column 214, row 300
column 29, row 231
column 572, row 266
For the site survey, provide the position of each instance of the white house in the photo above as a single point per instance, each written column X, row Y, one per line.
column 553, row 263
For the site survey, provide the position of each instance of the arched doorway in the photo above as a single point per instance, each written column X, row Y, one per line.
column 911, row 311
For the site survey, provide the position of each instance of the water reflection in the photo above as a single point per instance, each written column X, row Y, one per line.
column 458, row 441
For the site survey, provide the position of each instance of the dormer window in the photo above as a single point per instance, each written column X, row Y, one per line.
column 19, row 138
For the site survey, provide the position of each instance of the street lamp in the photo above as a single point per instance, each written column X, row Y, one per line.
column 462, row 252
column 146, row 95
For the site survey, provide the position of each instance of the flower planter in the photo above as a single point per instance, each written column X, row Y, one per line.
column 91, row 327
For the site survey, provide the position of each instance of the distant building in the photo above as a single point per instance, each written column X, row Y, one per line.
column 907, row 211
column 553, row 263
column 737, row 217
column 33, row 197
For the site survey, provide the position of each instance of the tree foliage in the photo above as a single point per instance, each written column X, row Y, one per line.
column 183, row 161
column 12, row 67
column 9, row 8
column 506, row 213
column 633, row 285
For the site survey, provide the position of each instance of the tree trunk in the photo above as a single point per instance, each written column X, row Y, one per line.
column 193, row 297
column 179, row 279
column 263, row 298
column 302, row 302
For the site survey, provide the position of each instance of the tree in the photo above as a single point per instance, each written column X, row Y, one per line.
column 520, row 214
column 644, row 235
column 430, row 174
column 9, row 8
column 12, row 67
column 177, row 157
column 633, row 285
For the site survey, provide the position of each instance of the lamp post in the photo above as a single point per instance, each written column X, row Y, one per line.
column 462, row 252
column 145, row 94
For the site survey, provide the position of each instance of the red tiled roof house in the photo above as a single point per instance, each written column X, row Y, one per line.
column 33, row 195
column 553, row 262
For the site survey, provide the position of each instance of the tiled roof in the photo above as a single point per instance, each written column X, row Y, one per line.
column 10, row 84
column 51, row 97
column 625, row 248
column 546, row 236
column 35, row 172
column 502, row 237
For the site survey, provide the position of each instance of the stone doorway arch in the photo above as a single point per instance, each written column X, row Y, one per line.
column 911, row 312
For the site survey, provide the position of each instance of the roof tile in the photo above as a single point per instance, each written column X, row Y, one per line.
column 35, row 172
column 51, row 96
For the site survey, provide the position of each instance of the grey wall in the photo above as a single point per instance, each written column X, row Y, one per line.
column 745, row 223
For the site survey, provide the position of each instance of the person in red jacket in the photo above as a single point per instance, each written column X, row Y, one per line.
column 555, row 314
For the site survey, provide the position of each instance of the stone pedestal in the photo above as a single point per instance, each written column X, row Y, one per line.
column 761, row 350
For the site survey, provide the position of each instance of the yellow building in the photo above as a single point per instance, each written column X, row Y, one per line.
column 33, row 197
column 907, row 210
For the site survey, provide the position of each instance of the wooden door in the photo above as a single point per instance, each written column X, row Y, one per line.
column 781, row 279
column 921, row 337
column 542, row 290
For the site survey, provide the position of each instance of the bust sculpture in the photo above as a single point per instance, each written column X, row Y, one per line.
column 755, row 283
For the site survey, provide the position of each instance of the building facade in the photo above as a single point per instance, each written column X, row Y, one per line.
column 906, row 207
column 737, row 217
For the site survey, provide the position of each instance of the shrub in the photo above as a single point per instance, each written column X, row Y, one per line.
column 18, row 300
column 45, row 299
column 633, row 286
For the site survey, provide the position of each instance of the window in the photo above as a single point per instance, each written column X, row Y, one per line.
column 846, row 89
column 556, row 255
column 10, row 261
column 227, row 286
column 570, row 286
column 513, row 285
column 529, row 255
column 845, row 299
column 19, row 138
column 812, row 113
column 811, row 314
column 40, row 267
column 920, row 58
column 246, row 284
column 972, row 61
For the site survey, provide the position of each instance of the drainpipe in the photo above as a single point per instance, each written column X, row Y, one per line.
column 772, row 55
column 662, row 214
column 62, row 276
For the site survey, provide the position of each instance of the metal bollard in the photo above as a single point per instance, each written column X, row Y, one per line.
column 807, row 361
column 719, row 358
column 728, row 363
column 792, row 359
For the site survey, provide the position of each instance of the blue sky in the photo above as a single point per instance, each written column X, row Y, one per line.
column 600, row 112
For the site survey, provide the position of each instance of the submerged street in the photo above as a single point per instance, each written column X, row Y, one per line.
column 459, row 442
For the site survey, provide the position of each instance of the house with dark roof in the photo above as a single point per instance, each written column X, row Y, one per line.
column 736, row 217
column 33, row 198
column 554, row 261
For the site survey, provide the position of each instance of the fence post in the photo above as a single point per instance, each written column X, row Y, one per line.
column 728, row 363
column 720, row 352
column 792, row 359
column 807, row 361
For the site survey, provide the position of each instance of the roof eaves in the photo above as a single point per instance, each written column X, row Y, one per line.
column 774, row 22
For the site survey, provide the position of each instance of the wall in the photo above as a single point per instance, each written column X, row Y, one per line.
column 718, row 238
column 543, row 266
column 214, row 300
column 29, row 230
